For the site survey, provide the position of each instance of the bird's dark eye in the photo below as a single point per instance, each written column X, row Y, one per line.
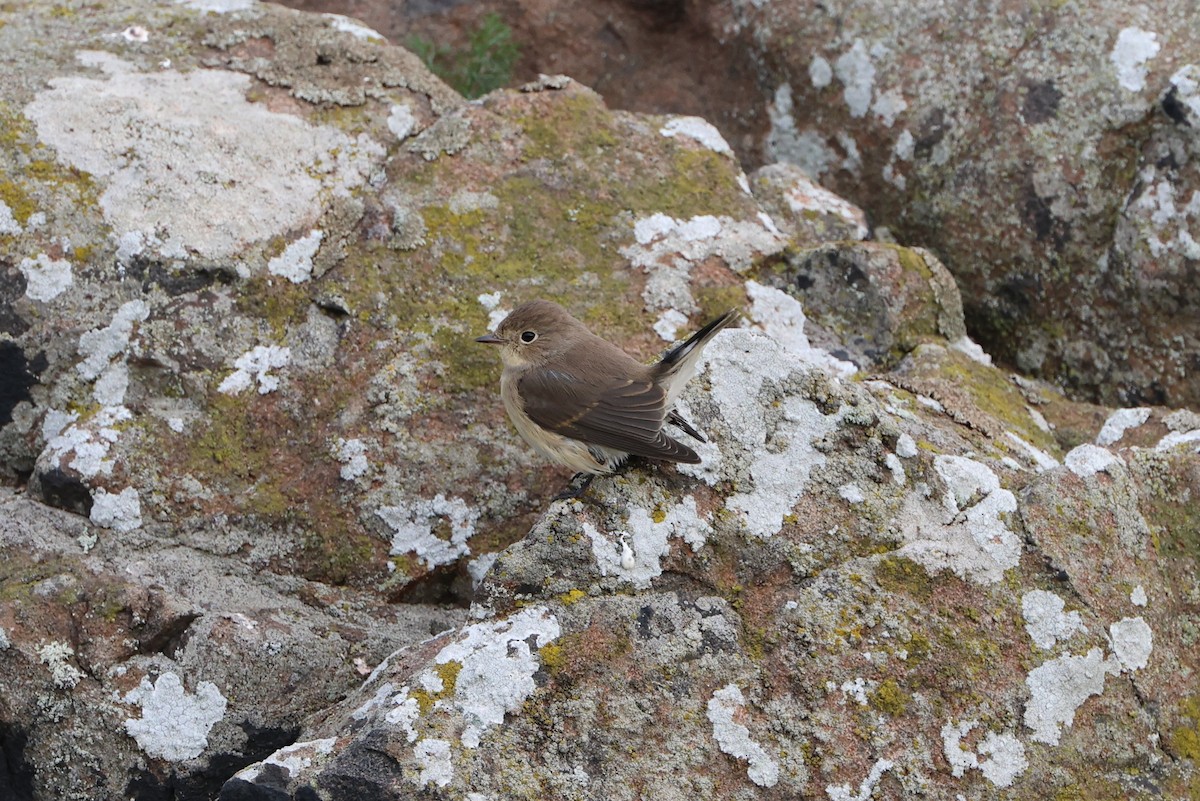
column 528, row 336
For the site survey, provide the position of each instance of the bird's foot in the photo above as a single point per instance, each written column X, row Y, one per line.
column 570, row 493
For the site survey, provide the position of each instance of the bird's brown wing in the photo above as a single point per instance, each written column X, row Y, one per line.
column 626, row 415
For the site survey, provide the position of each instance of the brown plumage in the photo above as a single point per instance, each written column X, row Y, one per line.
column 584, row 402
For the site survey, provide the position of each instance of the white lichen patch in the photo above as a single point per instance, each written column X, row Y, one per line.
column 89, row 441
column 186, row 155
column 851, row 493
column 856, row 71
column 699, row 129
column 843, row 792
column 635, row 554
column 1186, row 82
column 666, row 248
column 352, row 453
column 255, row 366
column 1046, row 621
column 434, row 756
column 57, row 657
column 110, row 387
column 668, row 324
column 45, row 278
column 889, row 105
column 902, row 150
column 413, row 523
column 856, row 689
column 382, row 695
column 906, row 446
column 491, row 303
column 296, row 262
column 1059, row 687
column 120, row 511
column 1164, row 220
column 100, row 346
column 218, row 6
column 972, row 350
column 1133, row 48
column 404, row 714
column 478, row 567
column 175, row 723
column 498, row 663
column 809, row 149
column 1176, row 438
column 1119, row 422
column 819, row 72
column 741, row 365
column 1087, row 460
column 968, row 534
column 781, row 317
column 8, row 223
column 293, row 759
column 354, row 28
column 1132, row 642
column 805, row 197
column 1005, row 755
column 1138, row 596
column 1042, row 461
column 401, row 121
column 725, row 707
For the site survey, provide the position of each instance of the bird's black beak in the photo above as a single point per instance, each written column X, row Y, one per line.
column 490, row 339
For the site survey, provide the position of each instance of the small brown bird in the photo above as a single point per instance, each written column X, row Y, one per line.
column 582, row 401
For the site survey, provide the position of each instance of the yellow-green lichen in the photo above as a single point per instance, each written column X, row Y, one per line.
column 1185, row 738
column 572, row 597
column 901, row 574
column 918, row 647
column 448, row 673
column 552, row 657
column 889, row 698
column 18, row 202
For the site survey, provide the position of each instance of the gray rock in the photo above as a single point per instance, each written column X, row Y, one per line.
column 253, row 383
column 1047, row 155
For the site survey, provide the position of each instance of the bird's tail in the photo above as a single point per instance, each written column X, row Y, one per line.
column 679, row 363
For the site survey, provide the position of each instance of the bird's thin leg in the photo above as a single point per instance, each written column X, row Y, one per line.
column 570, row 493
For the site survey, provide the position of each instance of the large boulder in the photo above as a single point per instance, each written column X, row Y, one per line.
column 859, row 594
column 244, row 256
column 1046, row 153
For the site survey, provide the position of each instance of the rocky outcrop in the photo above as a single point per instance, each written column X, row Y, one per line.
column 1047, row 155
column 265, row 470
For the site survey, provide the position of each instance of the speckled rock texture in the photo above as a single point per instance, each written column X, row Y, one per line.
column 858, row 595
column 243, row 255
column 1046, row 152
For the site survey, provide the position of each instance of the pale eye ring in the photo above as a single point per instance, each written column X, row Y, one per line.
column 528, row 336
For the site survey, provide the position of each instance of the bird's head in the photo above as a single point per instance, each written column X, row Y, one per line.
column 533, row 333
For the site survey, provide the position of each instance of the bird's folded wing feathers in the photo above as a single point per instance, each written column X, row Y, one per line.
column 625, row 416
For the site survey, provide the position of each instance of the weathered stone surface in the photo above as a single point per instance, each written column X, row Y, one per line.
column 872, row 303
column 861, row 596
column 253, row 247
column 807, row 212
column 251, row 370
column 137, row 668
column 1047, row 154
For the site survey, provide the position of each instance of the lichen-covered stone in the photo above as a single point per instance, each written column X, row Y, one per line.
column 284, row 455
column 1047, row 154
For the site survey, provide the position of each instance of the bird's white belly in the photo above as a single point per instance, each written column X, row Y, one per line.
column 579, row 456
